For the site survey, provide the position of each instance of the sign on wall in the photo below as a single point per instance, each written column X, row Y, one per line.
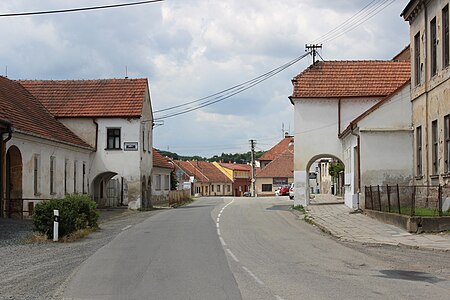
column 130, row 146
column 279, row 181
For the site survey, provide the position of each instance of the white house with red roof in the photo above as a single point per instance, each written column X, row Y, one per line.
column 161, row 174
column 327, row 97
column 114, row 118
column 40, row 158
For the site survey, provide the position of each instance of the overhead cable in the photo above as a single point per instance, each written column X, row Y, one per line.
column 46, row 12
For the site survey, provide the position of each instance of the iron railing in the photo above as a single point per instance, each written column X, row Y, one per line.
column 409, row 200
column 20, row 207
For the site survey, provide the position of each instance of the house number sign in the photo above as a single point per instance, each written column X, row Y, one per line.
column 130, row 146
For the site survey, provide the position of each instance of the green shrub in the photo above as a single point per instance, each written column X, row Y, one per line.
column 75, row 212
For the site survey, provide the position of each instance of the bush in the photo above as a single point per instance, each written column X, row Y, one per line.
column 75, row 212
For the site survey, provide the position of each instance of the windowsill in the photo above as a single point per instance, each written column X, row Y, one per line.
column 446, row 175
column 53, row 194
column 434, row 176
column 418, row 177
column 112, row 149
column 37, row 194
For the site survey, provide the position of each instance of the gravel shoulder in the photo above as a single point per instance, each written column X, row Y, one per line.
column 40, row 270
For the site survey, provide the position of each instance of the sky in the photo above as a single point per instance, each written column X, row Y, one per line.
column 189, row 49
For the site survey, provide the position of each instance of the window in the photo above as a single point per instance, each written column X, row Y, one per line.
column 52, row 175
column 434, row 137
column 445, row 39
column 66, row 174
column 447, row 143
column 84, row 178
column 419, row 150
column 228, row 188
column 218, row 188
column 417, row 59
column 212, row 188
column 158, row 182
column 266, row 187
column 167, row 182
column 433, row 46
column 113, row 141
column 75, row 177
column 36, row 173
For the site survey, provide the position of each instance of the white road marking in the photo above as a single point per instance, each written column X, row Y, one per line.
column 222, row 241
column 126, row 227
column 219, row 215
column 218, row 231
column 253, row 275
column 217, row 225
column 278, row 297
column 218, row 220
column 232, row 255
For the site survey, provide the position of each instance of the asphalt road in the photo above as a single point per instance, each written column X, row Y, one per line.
column 235, row 248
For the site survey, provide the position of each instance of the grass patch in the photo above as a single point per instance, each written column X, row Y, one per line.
column 299, row 208
column 419, row 212
column 183, row 203
column 77, row 235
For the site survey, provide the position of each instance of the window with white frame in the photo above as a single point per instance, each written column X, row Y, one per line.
column 417, row 71
column 158, row 182
column 66, row 175
column 167, row 182
column 433, row 46
column 218, row 188
column 84, row 178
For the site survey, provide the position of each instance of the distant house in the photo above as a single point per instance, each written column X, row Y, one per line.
column 206, row 178
column 279, row 172
column 113, row 117
column 40, row 158
column 239, row 174
column 430, row 89
column 327, row 97
column 161, row 173
column 286, row 143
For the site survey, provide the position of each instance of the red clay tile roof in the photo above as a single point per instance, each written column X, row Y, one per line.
column 236, row 167
column 279, row 148
column 29, row 116
column 90, row 98
column 160, row 161
column 203, row 171
column 333, row 79
column 281, row 166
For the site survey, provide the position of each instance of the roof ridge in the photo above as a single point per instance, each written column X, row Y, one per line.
column 198, row 170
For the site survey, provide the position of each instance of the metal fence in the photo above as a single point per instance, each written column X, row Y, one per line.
column 409, row 200
column 19, row 208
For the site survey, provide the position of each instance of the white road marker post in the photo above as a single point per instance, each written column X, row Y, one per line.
column 55, row 224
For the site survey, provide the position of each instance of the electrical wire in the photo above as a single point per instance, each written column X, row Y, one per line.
column 77, row 9
column 225, row 94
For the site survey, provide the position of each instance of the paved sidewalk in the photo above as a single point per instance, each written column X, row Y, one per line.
column 338, row 220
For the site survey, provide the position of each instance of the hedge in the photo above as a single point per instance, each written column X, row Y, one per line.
column 75, row 212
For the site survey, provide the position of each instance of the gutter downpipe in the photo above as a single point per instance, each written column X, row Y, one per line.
column 427, row 160
column 358, row 145
column 2, row 144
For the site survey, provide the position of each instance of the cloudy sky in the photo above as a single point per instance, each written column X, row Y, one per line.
column 189, row 49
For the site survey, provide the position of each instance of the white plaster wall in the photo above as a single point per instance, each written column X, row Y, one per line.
column 350, row 172
column 125, row 163
column 163, row 172
column 85, row 128
column 30, row 146
column 351, row 108
column 146, row 134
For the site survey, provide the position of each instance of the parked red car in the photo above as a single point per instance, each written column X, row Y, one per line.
column 284, row 191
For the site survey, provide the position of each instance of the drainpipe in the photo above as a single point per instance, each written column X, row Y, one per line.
column 2, row 143
column 425, row 172
column 358, row 145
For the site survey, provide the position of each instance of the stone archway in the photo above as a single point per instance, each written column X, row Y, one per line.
column 302, row 187
column 100, row 183
column 326, row 184
column 14, row 192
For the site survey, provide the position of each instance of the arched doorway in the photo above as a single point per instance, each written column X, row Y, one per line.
column 100, row 193
column 325, row 178
column 14, row 203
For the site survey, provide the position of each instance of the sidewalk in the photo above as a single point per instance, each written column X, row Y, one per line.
column 338, row 220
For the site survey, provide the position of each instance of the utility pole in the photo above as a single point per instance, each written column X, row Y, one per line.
column 252, row 145
column 313, row 49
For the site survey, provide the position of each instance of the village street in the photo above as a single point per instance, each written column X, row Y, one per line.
column 232, row 248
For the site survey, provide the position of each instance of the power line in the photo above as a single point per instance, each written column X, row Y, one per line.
column 227, row 93
column 46, row 12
